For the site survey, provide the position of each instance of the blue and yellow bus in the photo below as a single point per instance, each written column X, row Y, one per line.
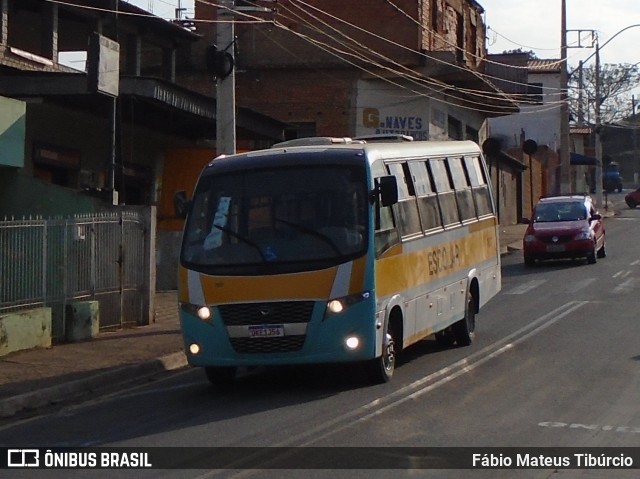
column 344, row 252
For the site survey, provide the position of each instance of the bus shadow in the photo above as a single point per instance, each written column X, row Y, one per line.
column 421, row 349
column 318, row 380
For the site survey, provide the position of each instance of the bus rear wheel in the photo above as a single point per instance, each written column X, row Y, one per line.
column 221, row 376
column 445, row 338
column 464, row 330
column 380, row 370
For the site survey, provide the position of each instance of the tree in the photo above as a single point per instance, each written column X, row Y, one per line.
column 531, row 55
column 617, row 81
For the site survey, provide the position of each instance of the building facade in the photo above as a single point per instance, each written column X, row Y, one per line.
column 358, row 68
column 92, row 113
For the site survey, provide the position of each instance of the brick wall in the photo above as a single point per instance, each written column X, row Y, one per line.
column 303, row 96
column 297, row 81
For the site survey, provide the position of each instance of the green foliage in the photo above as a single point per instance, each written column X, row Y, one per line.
column 530, row 53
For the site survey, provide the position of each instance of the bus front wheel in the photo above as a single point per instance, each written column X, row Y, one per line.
column 381, row 369
column 464, row 330
column 221, row 376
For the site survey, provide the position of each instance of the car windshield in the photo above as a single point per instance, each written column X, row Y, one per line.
column 310, row 215
column 564, row 211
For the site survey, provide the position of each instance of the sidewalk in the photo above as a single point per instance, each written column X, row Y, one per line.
column 39, row 377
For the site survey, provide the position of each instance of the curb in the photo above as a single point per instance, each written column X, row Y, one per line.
column 62, row 392
column 510, row 248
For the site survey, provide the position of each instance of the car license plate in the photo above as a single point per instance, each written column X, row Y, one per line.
column 266, row 331
column 555, row 248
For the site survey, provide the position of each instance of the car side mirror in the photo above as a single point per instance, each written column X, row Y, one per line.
column 525, row 221
column 388, row 189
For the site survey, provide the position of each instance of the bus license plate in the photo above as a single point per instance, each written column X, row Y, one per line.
column 266, row 331
column 555, row 248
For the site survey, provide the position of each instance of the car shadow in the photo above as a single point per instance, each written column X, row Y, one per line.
column 520, row 269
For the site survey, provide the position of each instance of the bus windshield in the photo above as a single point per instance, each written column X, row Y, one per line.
column 293, row 217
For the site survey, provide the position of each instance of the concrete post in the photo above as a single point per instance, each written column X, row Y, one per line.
column 226, row 87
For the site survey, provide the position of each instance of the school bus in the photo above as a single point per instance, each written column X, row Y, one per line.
column 337, row 251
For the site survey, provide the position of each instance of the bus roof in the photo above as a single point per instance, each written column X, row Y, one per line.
column 371, row 151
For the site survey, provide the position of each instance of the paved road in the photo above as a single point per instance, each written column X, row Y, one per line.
column 555, row 364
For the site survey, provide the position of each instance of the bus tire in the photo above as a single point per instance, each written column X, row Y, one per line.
column 445, row 338
column 464, row 330
column 380, row 370
column 221, row 376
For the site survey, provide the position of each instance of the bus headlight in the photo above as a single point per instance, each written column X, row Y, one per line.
column 201, row 312
column 204, row 313
column 339, row 305
column 352, row 343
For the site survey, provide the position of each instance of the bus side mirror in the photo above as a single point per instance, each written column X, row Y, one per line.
column 180, row 204
column 388, row 188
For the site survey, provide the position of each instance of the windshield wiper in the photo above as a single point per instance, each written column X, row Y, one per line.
column 242, row 238
column 312, row 232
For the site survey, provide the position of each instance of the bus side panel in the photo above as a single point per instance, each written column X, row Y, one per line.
column 432, row 276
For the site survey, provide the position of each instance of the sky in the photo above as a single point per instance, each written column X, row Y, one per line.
column 535, row 25
column 532, row 25
column 165, row 8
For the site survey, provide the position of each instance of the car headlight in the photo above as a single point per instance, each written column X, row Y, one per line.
column 530, row 239
column 197, row 310
column 339, row 305
column 583, row 235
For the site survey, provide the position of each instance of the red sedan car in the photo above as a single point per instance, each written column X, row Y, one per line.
column 564, row 227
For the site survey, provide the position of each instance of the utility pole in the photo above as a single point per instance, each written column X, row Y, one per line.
column 565, row 178
column 580, row 88
column 634, row 131
column 599, row 162
column 226, row 84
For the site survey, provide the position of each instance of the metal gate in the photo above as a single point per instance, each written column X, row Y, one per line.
column 56, row 262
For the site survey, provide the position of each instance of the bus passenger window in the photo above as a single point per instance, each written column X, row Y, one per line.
column 406, row 209
column 464, row 196
column 387, row 235
column 477, row 178
column 446, row 195
column 428, row 206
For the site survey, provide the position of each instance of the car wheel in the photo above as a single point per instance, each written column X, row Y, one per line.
column 221, row 376
column 592, row 257
column 631, row 204
column 602, row 252
column 464, row 330
column 529, row 261
column 380, row 370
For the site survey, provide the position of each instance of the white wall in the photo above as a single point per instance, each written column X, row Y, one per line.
column 540, row 123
